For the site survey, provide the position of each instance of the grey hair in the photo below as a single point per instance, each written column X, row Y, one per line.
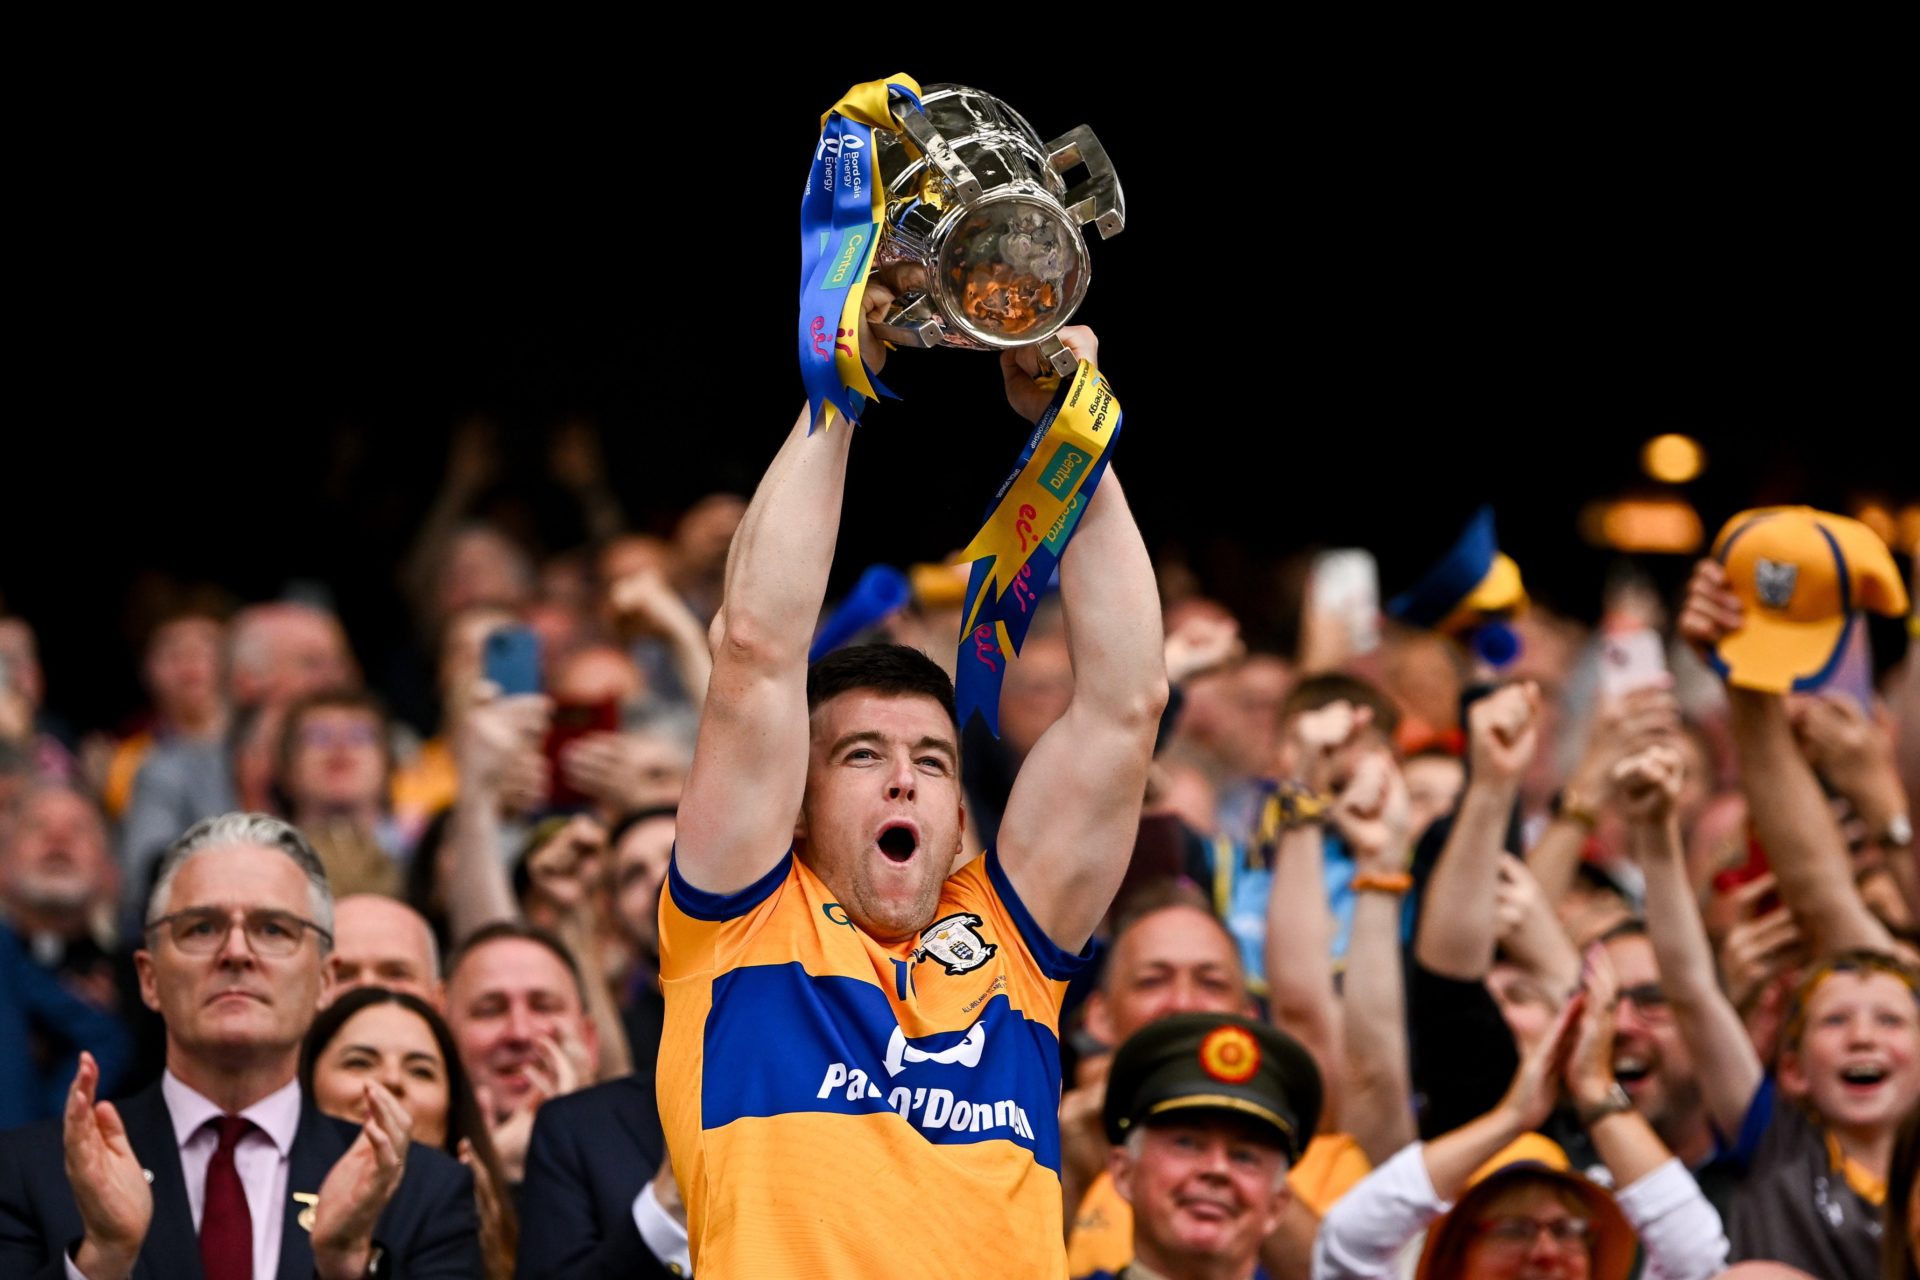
column 231, row 829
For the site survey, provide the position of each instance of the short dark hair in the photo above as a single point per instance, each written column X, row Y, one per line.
column 1330, row 687
column 896, row 670
column 515, row 929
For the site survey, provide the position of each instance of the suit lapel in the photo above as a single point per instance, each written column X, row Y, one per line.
column 172, row 1249
column 316, row 1145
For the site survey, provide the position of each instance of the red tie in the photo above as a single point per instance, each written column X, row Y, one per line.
column 226, row 1228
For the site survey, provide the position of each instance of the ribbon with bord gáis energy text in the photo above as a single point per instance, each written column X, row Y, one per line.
column 1029, row 523
column 840, row 217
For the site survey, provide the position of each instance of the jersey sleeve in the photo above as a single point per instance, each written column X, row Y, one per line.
column 701, row 932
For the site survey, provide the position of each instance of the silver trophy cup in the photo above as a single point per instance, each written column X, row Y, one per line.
column 985, row 212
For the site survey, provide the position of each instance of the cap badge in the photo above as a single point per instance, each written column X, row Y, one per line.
column 1773, row 582
column 1230, row 1055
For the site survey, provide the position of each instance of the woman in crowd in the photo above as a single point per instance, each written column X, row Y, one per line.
column 371, row 1033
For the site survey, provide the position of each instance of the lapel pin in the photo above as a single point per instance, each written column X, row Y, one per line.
column 308, row 1199
column 149, row 1175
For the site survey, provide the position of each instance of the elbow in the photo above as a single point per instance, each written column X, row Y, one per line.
column 742, row 641
column 1140, row 708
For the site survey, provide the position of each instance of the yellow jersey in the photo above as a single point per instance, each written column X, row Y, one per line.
column 836, row 1106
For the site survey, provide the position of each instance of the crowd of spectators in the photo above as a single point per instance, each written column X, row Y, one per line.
column 1615, row 977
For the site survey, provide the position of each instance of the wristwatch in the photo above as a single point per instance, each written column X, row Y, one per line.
column 1613, row 1104
column 1292, row 804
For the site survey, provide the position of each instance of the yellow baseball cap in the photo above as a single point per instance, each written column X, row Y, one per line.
column 1802, row 577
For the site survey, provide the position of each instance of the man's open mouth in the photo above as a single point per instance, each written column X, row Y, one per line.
column 1630, row 1071
column 898, row 842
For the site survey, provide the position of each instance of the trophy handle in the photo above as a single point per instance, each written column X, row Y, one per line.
column 1062, row 361
column 1098, row 199
column 910, row 322
column 939, row 153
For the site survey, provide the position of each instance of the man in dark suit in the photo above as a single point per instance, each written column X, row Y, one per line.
column 599, row 1201
column 224, row 1171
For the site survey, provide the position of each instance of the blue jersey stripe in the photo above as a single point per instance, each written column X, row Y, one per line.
column 780, row 1040
column 1054, row 960
column 717, row 907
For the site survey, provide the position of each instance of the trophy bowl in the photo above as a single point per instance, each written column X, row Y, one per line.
column 982, row 229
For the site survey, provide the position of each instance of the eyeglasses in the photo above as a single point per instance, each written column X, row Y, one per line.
column 1649, row 999
column 204, row 930
column 1521, row 1232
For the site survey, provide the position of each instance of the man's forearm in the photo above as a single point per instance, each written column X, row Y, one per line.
column 1299, row 947
column 1802, row 840
column 1458, row 921
column 783, row 550
column 1377, row 1114
column 477, row 893
column 1112, row 607
column 1707, row 1021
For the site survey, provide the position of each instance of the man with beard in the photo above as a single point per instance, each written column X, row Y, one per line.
column 1652, row 1062
column 57, row 896
column 838, row 995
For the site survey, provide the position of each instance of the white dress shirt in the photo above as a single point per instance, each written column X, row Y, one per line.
column 664, row 1237
column 261, row 1158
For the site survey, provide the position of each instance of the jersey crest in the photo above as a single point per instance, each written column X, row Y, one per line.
column 952, row 941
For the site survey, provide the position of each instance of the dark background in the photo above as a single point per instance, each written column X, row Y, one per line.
column 253, row 305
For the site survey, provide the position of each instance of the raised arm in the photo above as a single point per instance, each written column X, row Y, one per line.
column 1070, row 822
column 1788, row 809
column 1372, row 815
column 1645, row 787
column 750, row 761
column 1459, row 917
column 1620, row 728
column 1680, row 1233
column 1300, row 927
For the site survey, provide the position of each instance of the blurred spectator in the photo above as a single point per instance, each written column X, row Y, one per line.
column 181, row 668
column 331, row 776
column 700, row 543
column 27, row 729
column 276, row 654
column 517, row 1004
column 378, row 942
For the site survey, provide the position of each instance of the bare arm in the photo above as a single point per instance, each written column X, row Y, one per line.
column 1458, row 919
column 1532, row 934
column 750, row 761
column 498, row 738
column 1619, row 729
column 1784, row 801
column 1071, row 819
column 1645, row 787
column 1300, row 996
column 1791, row 817
column 1379, row 1088
column 1452, row 1157
column 1855, row 754
column 652, row 604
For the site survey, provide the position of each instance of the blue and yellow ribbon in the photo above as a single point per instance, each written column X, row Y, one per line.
column 840, row 216
column 1029, row 523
